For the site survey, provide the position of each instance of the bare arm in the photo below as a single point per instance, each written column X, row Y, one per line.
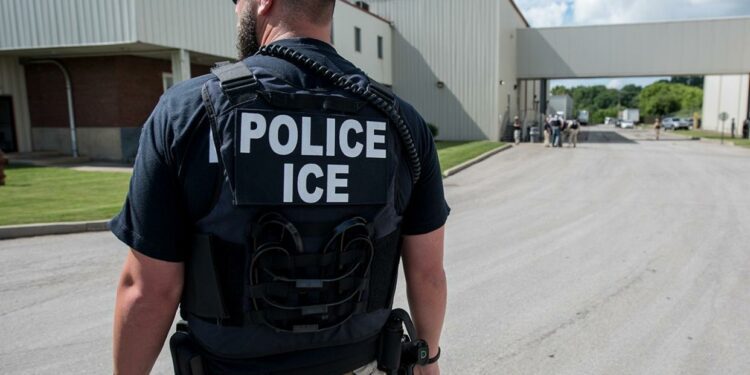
column 147, row 299
column 426, row 286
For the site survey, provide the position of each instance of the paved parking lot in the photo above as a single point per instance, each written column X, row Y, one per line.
column 622, row 256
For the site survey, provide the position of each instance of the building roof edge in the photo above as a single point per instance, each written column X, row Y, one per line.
column 518, row 10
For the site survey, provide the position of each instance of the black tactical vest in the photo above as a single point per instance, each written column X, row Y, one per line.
column 301, row 249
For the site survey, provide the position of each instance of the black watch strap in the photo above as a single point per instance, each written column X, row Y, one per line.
column 435, row 358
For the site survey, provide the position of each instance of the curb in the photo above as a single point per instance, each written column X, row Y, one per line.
column 46, row 229
column 469, row 163
column 727, row 141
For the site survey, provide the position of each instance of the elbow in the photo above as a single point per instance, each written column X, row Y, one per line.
column 134, row 291
column 433, row 278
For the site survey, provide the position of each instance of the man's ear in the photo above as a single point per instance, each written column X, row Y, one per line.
column 264, row 7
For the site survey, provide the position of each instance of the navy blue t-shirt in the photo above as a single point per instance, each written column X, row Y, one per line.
column 176, row 161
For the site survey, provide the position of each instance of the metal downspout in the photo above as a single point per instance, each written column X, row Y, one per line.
column 69, row 91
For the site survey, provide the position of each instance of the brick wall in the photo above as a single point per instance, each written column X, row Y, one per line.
column 112, row 91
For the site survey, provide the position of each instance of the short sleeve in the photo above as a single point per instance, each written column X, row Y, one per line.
column 427, row 209
column 152, row 220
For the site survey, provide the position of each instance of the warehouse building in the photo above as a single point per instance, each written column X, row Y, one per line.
column 728, row 94
column 116, row 57
column 468, row 69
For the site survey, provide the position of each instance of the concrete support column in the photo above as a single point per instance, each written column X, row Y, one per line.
column 180, row 65
column 543, row 97
column 13, row 84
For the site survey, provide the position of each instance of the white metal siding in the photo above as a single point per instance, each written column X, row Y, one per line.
column 430, row 46
column 345, row 19
column 204, row 26
column 654, row 49
column 13, row 83
column 26, row 24
column 725, row 93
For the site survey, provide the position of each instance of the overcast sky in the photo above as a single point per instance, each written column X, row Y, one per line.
column 546, row 13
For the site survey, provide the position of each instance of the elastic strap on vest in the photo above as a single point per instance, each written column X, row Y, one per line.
column 237, row 81
column 292, row 291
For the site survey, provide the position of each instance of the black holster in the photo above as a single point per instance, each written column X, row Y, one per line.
column 400, row 352
column 186, row 357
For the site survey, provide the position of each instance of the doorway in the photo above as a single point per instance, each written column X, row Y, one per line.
column 7, row 127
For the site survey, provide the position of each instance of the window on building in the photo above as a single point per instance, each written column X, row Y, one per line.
column 380, row 47
column 167, row 80
column 357, row 39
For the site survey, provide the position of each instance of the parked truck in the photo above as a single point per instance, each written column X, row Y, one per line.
column 630, row 114
column 561, row 105
column 583, row 117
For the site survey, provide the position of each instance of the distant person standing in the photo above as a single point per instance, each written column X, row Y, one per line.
column 556, row 132
column 657, row 127
column 746, row 128
column 734, row 126
column 517, row 130
column 575, row 127
column 547, row 131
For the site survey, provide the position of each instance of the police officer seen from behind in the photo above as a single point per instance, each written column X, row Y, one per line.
column 272, row 200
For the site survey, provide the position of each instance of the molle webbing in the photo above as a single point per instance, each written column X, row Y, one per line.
column 313, row 293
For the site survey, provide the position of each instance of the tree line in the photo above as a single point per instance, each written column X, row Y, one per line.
column 679, row 96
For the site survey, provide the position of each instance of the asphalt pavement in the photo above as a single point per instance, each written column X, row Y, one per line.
column 622, row 256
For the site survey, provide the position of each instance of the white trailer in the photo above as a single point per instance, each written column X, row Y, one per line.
column 630, row 114
column 583, row 117
column 561, row 104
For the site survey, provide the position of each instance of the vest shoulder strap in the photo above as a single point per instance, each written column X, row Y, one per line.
column 237, row 81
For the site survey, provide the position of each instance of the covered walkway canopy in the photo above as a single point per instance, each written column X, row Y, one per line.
column 704, row 47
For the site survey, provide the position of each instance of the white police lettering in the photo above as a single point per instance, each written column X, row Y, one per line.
column 213, row 156
column 330, row 137
column 253, row 127
column 304, row 175
column 334, row 182
column 309, row 149
column 273, row 136
column 249, row 133
column 330, row 141
column 373, row 139
column 346, row 127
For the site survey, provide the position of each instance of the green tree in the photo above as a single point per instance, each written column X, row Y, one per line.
column 695, row 81
column 692, row 99
column 559, row 90
column 629, row 96
column 660, row 98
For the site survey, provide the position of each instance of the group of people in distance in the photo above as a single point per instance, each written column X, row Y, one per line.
column 556, row 128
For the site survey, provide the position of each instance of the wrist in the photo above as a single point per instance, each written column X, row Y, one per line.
column 434, row 357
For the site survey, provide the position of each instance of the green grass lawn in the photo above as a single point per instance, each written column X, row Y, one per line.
column 714, row 135
column 452, row 154
column 42, row 195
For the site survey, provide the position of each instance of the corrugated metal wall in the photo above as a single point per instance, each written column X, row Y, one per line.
column 345, row 19
column 205, row 26
column 726, row 93
column 54, row 23
column 13, row 84
column 651, row 49
column 459, row 45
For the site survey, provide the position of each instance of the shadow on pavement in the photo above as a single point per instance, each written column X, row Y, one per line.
column 603, row 136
